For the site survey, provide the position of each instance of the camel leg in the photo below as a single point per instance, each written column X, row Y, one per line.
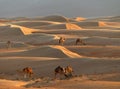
column 25, row 75
column 55, row 75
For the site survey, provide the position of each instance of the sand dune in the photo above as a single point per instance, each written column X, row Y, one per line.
column 67, row 52
column 87, row 24
column 55, row 18
column 88, row 69
column 26, row 31
column 22, row 34
column 80, row 19
column 12, row 83
column 13, row 44
column 53, row 51
column 8, row 31
column 96, row 51
column 68, row 26
column 96, row 65
column 102, row 41
column 35, row 24
column 101, row 24
column 110, row 24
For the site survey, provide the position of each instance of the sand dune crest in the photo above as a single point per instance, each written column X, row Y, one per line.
column 70, row 26
column 80, row 19
column 25, row 30
column 67, row 52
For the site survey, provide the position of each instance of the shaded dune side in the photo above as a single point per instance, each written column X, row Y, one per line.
column 8, row 31
column 55, row 18
column 96, row 51
column 35, row 24
column 87, row 24
column 109, row 24
column 13, row 45
column 68, row 26
column 67, row 52
column 22, row 34
column 102, row 41
column 26, row 31
column 46, row 51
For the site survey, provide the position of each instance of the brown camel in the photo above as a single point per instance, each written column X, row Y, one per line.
column 78, row 40
column 61, row 40
column 27, row 71
column 59, row 70
column 67, row 72
column 8, row 44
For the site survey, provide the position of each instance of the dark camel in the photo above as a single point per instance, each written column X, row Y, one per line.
column 27, row 72
column 67, row 72
column 61, row 40
column 78, row 40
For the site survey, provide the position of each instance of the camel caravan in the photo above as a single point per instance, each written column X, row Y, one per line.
column 78, row 41
column 67, row 72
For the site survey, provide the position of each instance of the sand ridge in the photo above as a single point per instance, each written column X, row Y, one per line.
column 35, row 44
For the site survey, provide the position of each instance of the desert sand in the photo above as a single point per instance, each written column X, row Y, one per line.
column 34, row 43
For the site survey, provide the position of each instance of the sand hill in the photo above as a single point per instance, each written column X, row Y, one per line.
column 56, row 51
column 35, row 24
column 110, row 24
column 26, row 31
column 96, row 65
column 67, row 26
column 80, row 19
column 55, row 18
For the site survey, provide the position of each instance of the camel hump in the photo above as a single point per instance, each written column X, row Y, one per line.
column 28, row 70
column 59, row 68
column 69, row 69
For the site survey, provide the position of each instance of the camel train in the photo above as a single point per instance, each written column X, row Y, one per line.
column 67, row 72
column 78, row 41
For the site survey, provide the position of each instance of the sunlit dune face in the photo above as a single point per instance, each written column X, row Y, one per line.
column 26, row 31
column 70, row 26
column 80, row 19
column 102, row 24
column 109, row 24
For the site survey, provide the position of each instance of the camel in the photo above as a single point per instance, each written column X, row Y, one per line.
column 67, row 72
column 27, row 71
column 78, row 40
column 61, row 40
column 59, row 70
column 8, row 44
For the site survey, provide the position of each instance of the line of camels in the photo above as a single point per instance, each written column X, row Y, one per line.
column 61, row 42
column 78, row 41
column 67, row 72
